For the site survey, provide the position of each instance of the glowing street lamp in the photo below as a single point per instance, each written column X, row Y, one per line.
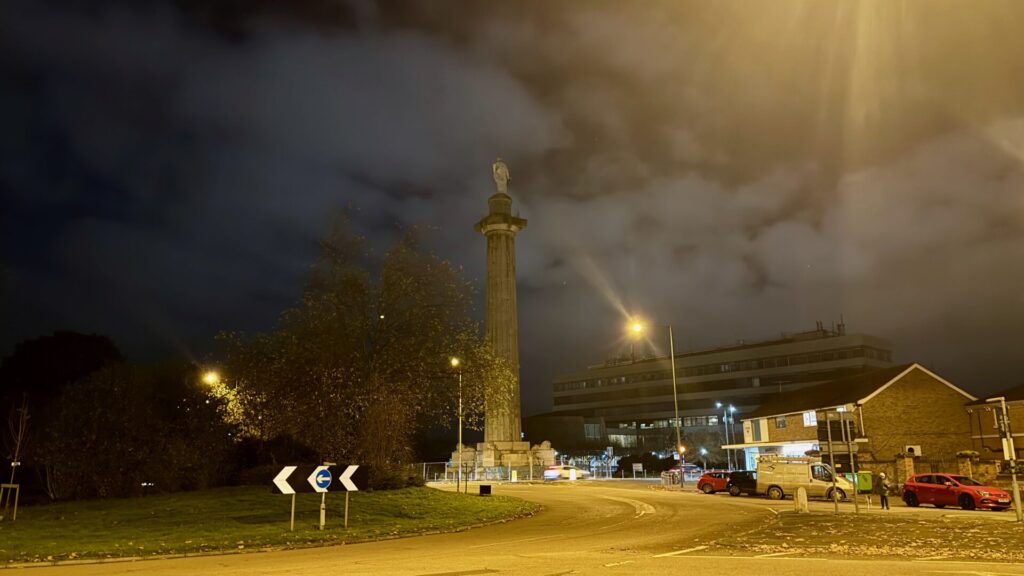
column 637, row 329
column 211, row 378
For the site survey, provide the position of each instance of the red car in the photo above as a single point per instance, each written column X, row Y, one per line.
column 941, row 490
column 713, row 481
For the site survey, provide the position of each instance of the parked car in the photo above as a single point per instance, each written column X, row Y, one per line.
column 560, row 472
column 742, row 482
column 781, row 476
column 713, row 481
column 941, row 490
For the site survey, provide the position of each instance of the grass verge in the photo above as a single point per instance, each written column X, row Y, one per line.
column 884, row 536
column 237, row 519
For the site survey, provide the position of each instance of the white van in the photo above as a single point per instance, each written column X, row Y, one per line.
column 780, row 476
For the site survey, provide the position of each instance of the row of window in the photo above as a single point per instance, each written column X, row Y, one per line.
column 688, row 421
column 738, row 366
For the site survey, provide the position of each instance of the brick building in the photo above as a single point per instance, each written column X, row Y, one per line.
column 878, row 416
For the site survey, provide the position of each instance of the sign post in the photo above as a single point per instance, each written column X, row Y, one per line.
column 320, row 480
column 1009, row 451
column 317, row 479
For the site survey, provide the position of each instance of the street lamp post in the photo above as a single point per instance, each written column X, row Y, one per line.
column 1009, row 451
column 726, row 414
column 455, row 364
column 637, row 327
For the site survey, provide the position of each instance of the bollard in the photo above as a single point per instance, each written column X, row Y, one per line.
column 800, row 501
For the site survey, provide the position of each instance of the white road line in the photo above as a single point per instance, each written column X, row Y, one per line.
column 930, row 558
column 775, row 554
column 618, row 563
column 506, row 542
column 641, row 508
column 678, row 552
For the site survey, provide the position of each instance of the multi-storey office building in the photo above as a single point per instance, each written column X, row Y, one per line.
column 629, row 404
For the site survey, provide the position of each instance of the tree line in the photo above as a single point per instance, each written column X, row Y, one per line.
column 352, row 373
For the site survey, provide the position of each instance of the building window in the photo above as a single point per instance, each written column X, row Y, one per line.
column 622, row 440
column 810, row 418
column 592, row 431
column 712, row 420
column 780, row 422
column 755, row 430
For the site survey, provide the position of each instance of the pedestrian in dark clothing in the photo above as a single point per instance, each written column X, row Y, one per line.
column 882, row 487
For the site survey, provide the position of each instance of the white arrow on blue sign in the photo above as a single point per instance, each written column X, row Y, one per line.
column 320, row 479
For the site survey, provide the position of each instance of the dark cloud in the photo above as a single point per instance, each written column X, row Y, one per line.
column 732, row 168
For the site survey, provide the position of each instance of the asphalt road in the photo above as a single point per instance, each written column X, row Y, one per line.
column 591, row 527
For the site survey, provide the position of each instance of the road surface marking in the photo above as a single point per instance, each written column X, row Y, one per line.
column 678, row 552
column 931, row 558
column 775, row 554
column 618, row 563
column 506, row 542
column 641, row 508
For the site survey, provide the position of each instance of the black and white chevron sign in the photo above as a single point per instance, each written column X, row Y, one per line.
column 292, row 479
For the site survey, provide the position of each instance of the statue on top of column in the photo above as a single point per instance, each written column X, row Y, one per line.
column 501, row 175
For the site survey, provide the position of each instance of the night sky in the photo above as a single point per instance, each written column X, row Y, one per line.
column 736, row 168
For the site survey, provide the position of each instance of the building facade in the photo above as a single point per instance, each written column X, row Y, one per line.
column 634, row 398
column 878, row 416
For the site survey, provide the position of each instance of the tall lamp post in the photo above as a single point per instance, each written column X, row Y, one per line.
column 455, row 362
column 637, row 328
column 726, row 414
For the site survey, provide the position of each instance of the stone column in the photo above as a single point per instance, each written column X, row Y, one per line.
column 502, row 421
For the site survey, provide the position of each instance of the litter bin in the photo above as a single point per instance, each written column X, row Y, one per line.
column 863, row 481
column 485, row 489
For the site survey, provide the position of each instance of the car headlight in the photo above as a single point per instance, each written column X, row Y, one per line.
column 983, row 493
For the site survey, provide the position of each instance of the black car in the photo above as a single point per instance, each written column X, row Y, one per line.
column 742, row 482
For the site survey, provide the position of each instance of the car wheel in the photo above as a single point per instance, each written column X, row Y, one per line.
column 734, row 490
column 940, row 506
column 707, row 489
column 836, row 494
column 966, row 502
column 775, row 493
column 911, row 499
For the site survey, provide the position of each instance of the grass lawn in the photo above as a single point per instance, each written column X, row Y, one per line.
column 233, row 519
column 882, row 535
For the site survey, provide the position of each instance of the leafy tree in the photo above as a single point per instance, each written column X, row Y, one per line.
column 363, row 360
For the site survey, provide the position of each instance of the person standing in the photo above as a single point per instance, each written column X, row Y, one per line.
column 882, row 487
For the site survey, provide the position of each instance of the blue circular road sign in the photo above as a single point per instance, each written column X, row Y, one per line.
column 323, row 479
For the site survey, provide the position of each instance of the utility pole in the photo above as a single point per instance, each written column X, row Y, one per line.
column 1009, row 451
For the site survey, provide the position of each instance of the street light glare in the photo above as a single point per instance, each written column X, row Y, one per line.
column 211, row 377
column 636, row 327
column 455, row 362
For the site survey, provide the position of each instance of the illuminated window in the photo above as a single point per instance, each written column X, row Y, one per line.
column 810, row 418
